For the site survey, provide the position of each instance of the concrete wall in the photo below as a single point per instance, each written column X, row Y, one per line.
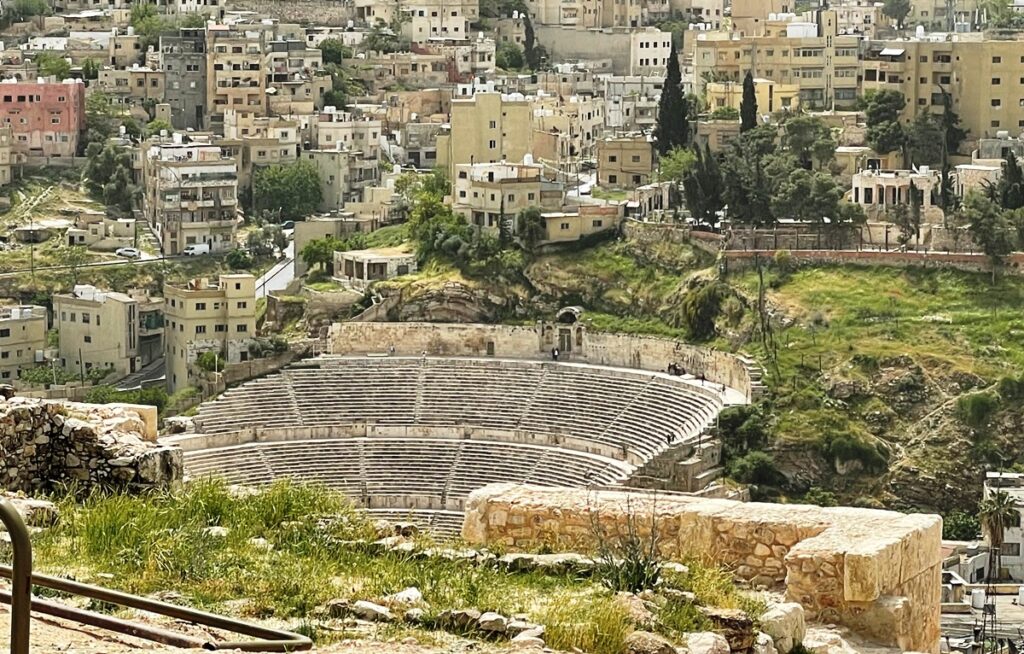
column 619, row 350
column 978, row 263
column 570, row 44
column 878, row 572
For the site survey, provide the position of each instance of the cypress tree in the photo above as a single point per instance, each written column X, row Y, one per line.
column 748, row 106
column 673, row 129
column 1012, row 184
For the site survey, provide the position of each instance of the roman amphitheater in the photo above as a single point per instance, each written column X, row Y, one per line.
column 477, row 430
column 411, row 434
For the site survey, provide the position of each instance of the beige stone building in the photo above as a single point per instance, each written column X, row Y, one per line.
column 771, row 96
column 879, row 192
column 22, row 339
column 360, row 268
column 8, row 157
column 105, row 329
column 586, row 14
column 566, row 130
column 190, row 194
column 982, row 74
column 133, row 87
column 204, row 316
column 343, row 175
column 253, row 141
column 484, row 192
column 564, row 226
column 235, row 76
column 625, row 161
column 825, row 67
column 486, row 128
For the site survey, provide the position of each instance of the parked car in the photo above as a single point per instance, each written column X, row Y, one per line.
column 196, row 249
column 288, row 224
column 128, row 253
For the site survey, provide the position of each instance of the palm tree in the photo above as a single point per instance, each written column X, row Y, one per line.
column 997, row 512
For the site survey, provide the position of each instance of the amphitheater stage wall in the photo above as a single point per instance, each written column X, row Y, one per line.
column 196, row 442
column 619, row 350
column 877, row 572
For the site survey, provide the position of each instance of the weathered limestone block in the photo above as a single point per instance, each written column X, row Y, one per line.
column 845, row 565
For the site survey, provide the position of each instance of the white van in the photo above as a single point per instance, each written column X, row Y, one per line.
column 198, row 248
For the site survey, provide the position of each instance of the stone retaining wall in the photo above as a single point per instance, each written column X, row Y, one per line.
column 979, row 263
column 609, row 349
column 47, row 443
column 878, row 572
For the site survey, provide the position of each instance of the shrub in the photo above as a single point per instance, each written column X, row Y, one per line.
column 238, row 259
column 210, row 362
column 820, row 497
column 847, row 447
column 960, row 525
column 976, row 409
column 627, row 561
column 155, row 396
column 784, row 262
column 699, row 309
column 755, row 468
column 1011, row 388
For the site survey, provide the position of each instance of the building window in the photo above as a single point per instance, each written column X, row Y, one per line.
column 636, row 158
column 242, row 305
column 4, row 333
column 1010, row 549
column 200, row 306
column 242, row 328
column 995, row 81
column 612, row 158
column 492, row 144
column 997, row 60
column 565, row 226
column 220, row 328
column 996, row 102
column 200, row 329
column 88, row 339
column 5, row 355
column 85, row 319
column 597, row 223
column 613, row 179
column 494, row 124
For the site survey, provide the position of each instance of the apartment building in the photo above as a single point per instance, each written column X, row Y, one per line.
column 424, row 20
column 566, row 130
column 190, row 194
column 22, row 339
column 341, row 130
column 486, row 128
column 649, row 51
column 486, row 193
column 417, row 70
column 234, row 71
column 825, row 66
column 625, row 161
column 203, row 316
column 8, row 158
column 296, row 81
column 770, row 96
column 183, row 59
column 213, row 9
column 586, row 14
column 253, row 141
column 124, row 48
column 750, row 16
column 45, row 116
column 982, row 73
column 943, row 15
column 106, row 329
column 708, row 12
column 344, row 173
column 134, row 87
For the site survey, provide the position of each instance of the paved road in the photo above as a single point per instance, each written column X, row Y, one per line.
column 280, row 276
column 120, row 261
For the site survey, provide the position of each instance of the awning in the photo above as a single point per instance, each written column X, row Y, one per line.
column 891, row 52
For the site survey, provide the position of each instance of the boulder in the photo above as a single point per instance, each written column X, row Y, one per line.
column 568, row 562
column 518, row 562
column 644, row 642
column 413, row 616
column 763, row 644
column 408, row 597
column 734, row 624
column 636, row 608
column 785, row 624
column 826, row 641
column 261, row 544
column 492, row 622
column 525, row 641
column 516, row 627
column 371, row 612
column 461, row 620
column 216, row 532
column 706, row 642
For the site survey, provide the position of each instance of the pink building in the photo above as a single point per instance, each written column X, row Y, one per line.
column 47, row 118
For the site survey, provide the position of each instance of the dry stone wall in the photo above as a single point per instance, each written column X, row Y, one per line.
column 619, row 350
column 878, row 572
column 46, row 443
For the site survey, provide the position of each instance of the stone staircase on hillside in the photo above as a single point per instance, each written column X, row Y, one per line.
column 756, row 372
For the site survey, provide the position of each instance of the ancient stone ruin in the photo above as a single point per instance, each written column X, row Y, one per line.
column 877, row 572
column 45, row 443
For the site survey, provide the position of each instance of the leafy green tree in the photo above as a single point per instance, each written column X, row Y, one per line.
column 108, row 175
column 53, row 65
column 898, row 10
column 674, row 165
column 960, row 525
column 673, row 129
column 810, row 140
column 384, row 40
column 703, row 187
column 509, row 57
column 73, row 257
column 990, row 228
column 749, row 191
column 1009, row 190
column 885, row 133
column 21, row 10
column 533, row 54
column 334, row 51
column 149, row 24
column 90, row 69
column 924, row 140
column 725, row 113
column 997, row 512
column 530, row 226
column 748, row 106
column 155, row 126
column 238, row 259
column 335, row 98
column 319, row 252
column 803, row 195
column 292, row 190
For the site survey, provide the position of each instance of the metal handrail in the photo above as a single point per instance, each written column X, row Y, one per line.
column 22, row 603
column 20, row 576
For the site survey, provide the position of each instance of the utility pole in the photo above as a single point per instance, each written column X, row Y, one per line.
column 81, row 368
